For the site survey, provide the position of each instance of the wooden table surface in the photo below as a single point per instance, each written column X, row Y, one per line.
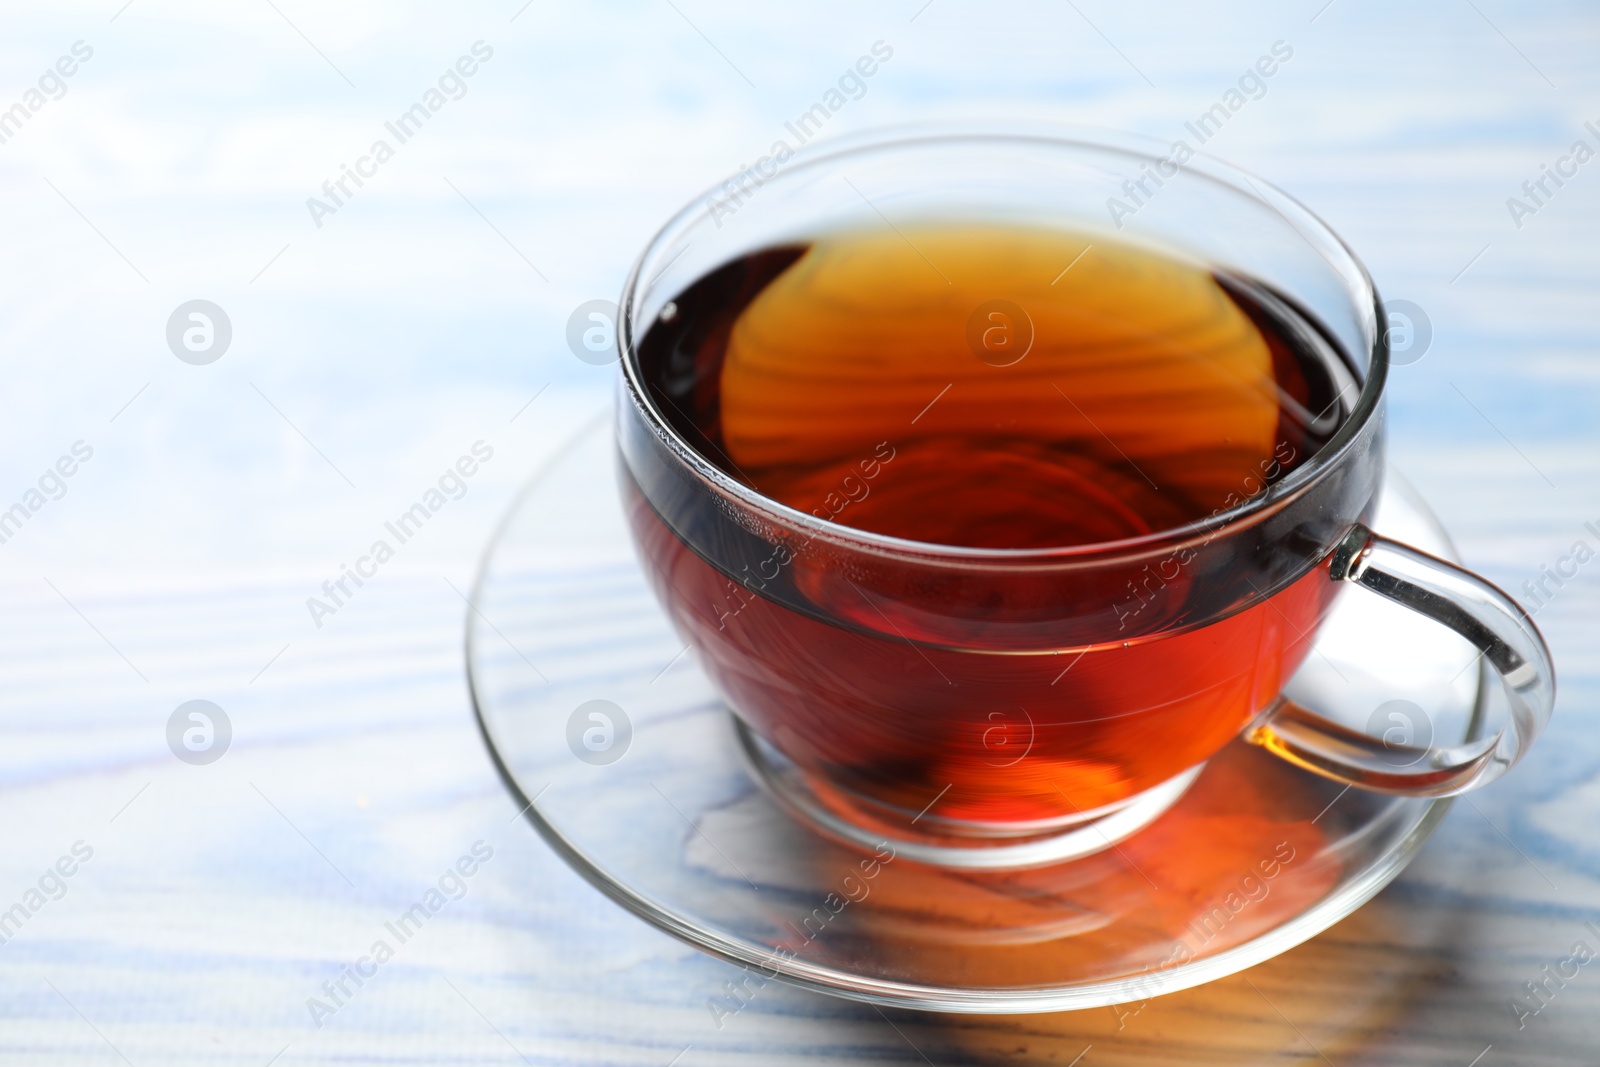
column 207, row 905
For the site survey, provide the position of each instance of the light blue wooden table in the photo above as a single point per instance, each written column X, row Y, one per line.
column 206, row 905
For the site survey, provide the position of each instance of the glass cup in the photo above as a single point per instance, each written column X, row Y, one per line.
column 991, row 708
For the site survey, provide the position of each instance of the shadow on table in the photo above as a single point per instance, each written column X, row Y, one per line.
column 1403, row 981
column 1344, row 997
column 1393, row 984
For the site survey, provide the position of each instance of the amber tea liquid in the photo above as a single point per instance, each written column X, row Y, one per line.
column 993, row 387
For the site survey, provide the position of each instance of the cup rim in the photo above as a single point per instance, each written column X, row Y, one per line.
column 1202, row 165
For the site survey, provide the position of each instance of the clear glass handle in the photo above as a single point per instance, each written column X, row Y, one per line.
column 1471, row 607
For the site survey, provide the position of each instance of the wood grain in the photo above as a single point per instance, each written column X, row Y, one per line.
column 218, row 899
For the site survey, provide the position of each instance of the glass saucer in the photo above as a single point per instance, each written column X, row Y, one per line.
column 629, row 765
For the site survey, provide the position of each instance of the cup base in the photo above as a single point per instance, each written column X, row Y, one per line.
column 832, row 812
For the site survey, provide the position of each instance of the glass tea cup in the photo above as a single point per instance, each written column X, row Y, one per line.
column 1001, row 707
